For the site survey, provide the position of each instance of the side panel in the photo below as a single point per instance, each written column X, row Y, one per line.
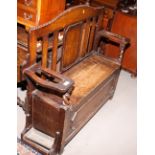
column 45, row 115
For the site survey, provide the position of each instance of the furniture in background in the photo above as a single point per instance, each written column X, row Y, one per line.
column 125, row 24
column 64, row 95
column 35, row 12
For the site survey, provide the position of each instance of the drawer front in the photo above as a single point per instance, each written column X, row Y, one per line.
column 28, row 3
column 26, row 14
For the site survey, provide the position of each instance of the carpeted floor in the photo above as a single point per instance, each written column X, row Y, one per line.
column 23, row 149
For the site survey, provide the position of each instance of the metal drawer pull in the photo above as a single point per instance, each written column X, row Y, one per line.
column 27, row 16
column 28, row 2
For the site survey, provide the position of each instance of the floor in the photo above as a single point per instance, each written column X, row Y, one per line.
column 112, row 131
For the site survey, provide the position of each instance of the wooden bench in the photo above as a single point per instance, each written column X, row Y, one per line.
column 63, row 96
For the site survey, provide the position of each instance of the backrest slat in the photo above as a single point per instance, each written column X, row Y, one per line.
column 84, row 44
column 82, row 40
column 44, row 51
column 54, row 50
column 91, row 38
column 32, row 41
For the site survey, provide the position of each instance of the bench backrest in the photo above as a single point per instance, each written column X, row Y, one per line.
column 77, row 25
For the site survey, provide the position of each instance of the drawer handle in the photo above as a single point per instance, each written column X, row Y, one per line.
column 28, row 2
column 27, row 16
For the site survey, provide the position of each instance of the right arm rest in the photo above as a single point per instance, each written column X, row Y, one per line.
column 113, row 37
column 121, row 40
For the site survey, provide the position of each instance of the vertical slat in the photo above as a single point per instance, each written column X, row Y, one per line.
column 87, row 34
column 100, row 21
column 54, row 51
column 44, row 51
column 98, row 27
column 84, row 42
column 32, row 46
column 91, row 38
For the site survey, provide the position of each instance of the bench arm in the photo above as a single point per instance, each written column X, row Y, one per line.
column 62, row 85
column 121, row 40
column 113, row 37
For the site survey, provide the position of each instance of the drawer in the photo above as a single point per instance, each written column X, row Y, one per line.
column 26, row 8
column 26, row 14
column 28, row 3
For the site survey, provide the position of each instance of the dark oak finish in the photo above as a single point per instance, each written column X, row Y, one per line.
column 63, row 96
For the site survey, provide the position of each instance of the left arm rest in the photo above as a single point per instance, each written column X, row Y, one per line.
column 62, row 85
